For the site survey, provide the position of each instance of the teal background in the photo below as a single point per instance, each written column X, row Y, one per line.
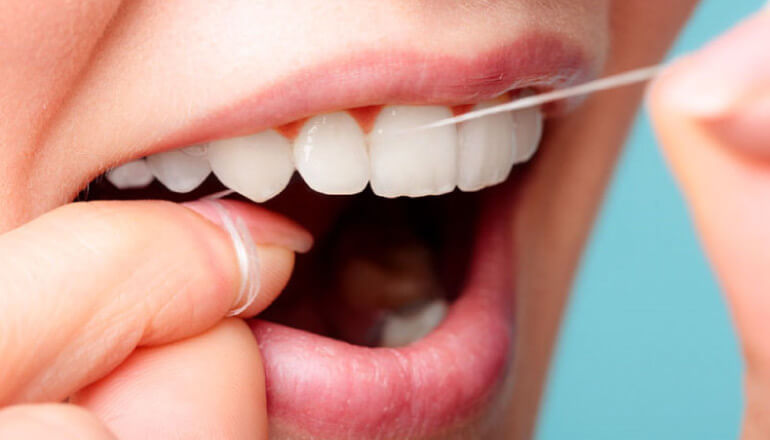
column 647, row 350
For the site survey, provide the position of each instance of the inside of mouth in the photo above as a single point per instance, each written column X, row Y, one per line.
column 389, row 260
column 382, row 272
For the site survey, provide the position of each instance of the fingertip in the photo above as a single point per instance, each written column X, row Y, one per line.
column 276, row 265
column 46, row 421
column 208, row 386
column 264, row 269
column 723, row 89
column 266, row 227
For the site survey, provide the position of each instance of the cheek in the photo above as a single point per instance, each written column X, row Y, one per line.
column 44, row 49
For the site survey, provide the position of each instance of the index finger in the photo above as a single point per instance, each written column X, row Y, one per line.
column 87, row 283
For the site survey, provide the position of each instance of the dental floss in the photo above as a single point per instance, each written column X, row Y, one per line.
column 246, row 253
column 219, row 195
column 606, row 83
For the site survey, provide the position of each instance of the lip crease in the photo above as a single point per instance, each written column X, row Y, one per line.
column 380, row 78
column 323, row 387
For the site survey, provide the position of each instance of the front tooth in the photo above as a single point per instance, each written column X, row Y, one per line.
column 412, row 163
column 131, row 175
column 528, row 128
column 198, row 150
column 486, row 149
column 404, row 327
column 257, row 166
column 330, row 153
column 179, row 172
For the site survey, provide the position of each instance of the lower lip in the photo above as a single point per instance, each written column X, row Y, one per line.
column 326, row 388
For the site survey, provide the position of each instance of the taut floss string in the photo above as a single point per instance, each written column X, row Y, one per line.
column 606, row 83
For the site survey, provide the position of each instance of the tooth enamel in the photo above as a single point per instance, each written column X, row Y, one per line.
column 415, row 163
column 330, row 153
column 198, row 150
column 528, row 128
column 177, row 171
column 131, row 175
column 258, row 166
column 402, row 328
column 486, row 149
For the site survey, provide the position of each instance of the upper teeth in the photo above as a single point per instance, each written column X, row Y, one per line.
column 257, row 166
column 334, row 156
column 179, row 171
column 331, row 155
column 412, row 163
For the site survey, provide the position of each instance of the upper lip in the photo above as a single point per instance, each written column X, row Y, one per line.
column 382, row 77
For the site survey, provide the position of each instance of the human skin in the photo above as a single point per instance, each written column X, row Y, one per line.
column 725, row 136
column 90, row 86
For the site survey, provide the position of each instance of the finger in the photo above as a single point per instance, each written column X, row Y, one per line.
column 718, row 144
column 87, row 283
column 211, row 386
column 51, row 421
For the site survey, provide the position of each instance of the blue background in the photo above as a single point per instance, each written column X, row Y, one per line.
column 647, row 350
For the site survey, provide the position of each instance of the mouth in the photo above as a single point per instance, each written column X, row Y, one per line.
column 400, row 322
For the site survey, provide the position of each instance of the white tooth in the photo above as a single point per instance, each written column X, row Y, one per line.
column 486, row 150
column 528, row 129
column 198, row 150
column 257, row 166
column 412, row 163
column 403, row 328
column 177, row 171
column 330, row 153
column 131, row 175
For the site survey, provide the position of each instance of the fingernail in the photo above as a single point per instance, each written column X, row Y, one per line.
column 244, row 246
column 723, row 77
column 266, row 227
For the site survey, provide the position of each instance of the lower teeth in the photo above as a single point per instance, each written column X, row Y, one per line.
column 412, row 323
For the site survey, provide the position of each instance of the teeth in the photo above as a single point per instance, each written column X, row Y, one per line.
column 258, row 166
column 412, row 324
column 528, row 127
column 199, row 150
column 131, row 175
column 330, row 153
column 179, row 172
column 417, row 163
column 486, row 149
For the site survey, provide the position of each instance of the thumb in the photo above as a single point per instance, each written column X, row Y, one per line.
column 46, row 421
column 712, row 113
column 86, row 284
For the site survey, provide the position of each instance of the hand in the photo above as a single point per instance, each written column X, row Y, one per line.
column 121, row 308
column 712, row 112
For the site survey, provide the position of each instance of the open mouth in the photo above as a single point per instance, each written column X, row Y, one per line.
column 399, row 323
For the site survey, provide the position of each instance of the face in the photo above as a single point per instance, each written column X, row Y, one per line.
column 414, row 317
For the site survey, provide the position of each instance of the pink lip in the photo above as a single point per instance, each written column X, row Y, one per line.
column 327, row 388
column 377, row 78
